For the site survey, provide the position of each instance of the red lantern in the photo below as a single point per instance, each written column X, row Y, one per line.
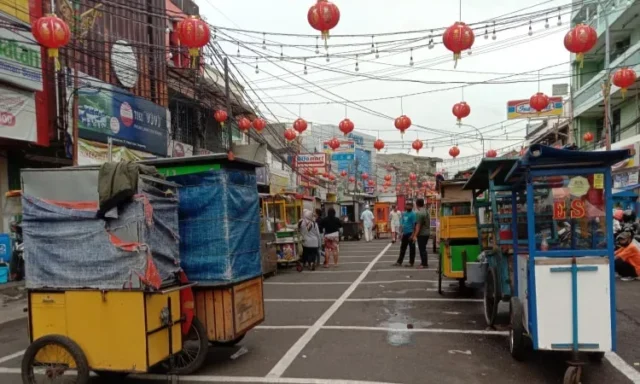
column 365, row 176
column 346, row 126
column 580, row 40
column 387, row 177
column 461, row 110
column 343, row 173
column 371, row 183
column 378, row 145
column 259, row 124
column 51, row 32
column 323, row 16
column 220, row 116
column 325, row 175
column 624, row 78
column 412, row 177
column 539, row 101
column 492, row 153
column 424, row 184
column 458, row 38
column 332, row 177
column 417, row 145
column 352, row 179
column 300, row 125
column 334, row 144
column 290, row 134
column 244, row 124
column 454, row 151
column 588, row 137
column 406, row 184
column 403, row 123
column 193, row 33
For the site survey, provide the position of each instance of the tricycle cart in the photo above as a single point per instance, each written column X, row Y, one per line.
column 563, row 281
column 381, row 215
column 458, row 234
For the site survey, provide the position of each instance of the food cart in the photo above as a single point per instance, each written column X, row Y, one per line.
column 268, row 227
column 562, row 280
column 381, row 212
column 458, row 233
column 103, row 292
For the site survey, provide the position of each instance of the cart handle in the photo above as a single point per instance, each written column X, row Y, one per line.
column 178, row 288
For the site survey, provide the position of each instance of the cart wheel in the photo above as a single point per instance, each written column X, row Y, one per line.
column 195, row 346
column 517, row 334
column 440, row 274
column 299, row 267
column 572, row 375
column 230, row 343
column 491, row 296
column 65, row 356
column 595, row 357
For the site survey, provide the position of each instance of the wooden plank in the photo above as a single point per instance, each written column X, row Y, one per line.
column 248, row 305
column 219, row 315
column 229, row 329
column 210, row 315
column 201, row 312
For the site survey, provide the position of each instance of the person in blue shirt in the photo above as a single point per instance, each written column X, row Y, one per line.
column 408, row 228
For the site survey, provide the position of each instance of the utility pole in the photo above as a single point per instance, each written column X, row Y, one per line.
column 227, row 94
column 74, row 124
column 606, row 86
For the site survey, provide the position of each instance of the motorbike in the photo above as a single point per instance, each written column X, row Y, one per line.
column 16, row 265
column 626, row 230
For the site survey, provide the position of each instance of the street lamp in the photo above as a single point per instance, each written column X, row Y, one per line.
column 479, row 134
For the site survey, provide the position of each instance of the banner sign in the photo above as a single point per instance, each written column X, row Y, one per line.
column 20, row 60
column 90, row 153
column 18, row 114
column 311, row 160
column 346, row 147
column 134, row 122
column 520, row 109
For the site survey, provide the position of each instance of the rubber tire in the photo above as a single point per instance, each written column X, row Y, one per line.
column 572, row 375
column 491, row 285
column 229, row 343
column 196, row 364
column 517, row 334
column 82, row 366
column 595, row 357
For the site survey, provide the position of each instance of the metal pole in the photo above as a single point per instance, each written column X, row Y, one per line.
column 606, row 86
column 227, row 95
column 110, row 149
column 75, row 125
column 479, row 133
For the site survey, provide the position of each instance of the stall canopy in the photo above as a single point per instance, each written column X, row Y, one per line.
column 497, row 169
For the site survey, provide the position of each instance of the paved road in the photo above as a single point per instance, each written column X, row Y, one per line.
column 367, row 322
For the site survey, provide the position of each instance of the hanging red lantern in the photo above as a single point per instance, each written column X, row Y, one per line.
column 539, row 101
column 424, row 184
column 417, row 145
column 343, row 173
column 220, row 116
column 580, row 40
column 300, row 125
column 244, row 124
column 387, row 177
column 323, row 16
column 371, row 183
column 461, row 110
column 194, row 34
column 332, row 177
column 588, row 137
column 352, row 179
column 403, row 123
column 346, row 126
column 325, row 175
column 365, row 176
column 406, row 184
column 492, row 153
column 53, row 33
column 290, row 134
column 378, row 145
column 457, row 38
column 454, row 151
column 412, row 177
column 259, row 124
column 334, row 144
column 624, row 78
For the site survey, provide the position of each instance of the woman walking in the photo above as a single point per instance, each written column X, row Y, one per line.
column 310, row 239
column 331, row 227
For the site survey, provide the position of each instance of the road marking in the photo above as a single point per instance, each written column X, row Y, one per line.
column 307, row 283
column 622, row 366
column 11, row 357
column 418, row 330
column 354, row 262
column 293, row 352
column 404, row 269
column 299, row 300
column 399, row 281
column 427, row 299
column 282, row 326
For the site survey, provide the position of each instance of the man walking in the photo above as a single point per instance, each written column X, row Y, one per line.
column 394, row 223
column 367, row 222
column 421, row 234
column 408, row 228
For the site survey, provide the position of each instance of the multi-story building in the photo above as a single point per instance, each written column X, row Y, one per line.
column 404, row 164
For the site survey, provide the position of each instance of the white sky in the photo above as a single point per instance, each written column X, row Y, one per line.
column 488, row 102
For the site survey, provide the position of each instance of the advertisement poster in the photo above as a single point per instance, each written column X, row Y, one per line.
column 136, row 123
column 20, row 59
column 90, row 153
column 520, row 109
column 346, row 147
column 18, row 114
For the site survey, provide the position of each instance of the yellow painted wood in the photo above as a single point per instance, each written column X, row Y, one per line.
column 158, row 342
column 458, row 227
column 447, row 264
column 48, row 314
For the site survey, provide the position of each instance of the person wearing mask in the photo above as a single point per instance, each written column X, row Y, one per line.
column 310, row 239
column 331, row 226
column 408, row 229
column 367, row 222
column 421, row 233
column 394, row 223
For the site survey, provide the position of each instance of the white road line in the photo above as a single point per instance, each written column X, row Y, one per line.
column 399, row 281
column 417, row 330
column 353, row 262
column 272, row 327
column 401, row 269
column 622, row 366
column 236, row 379
column 293, row 352
column 11, row 357
column 308, row 283
column 432, row 299
column 299, row 300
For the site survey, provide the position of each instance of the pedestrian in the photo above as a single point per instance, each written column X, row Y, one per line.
column 310, row 239
column 331, row 226
column 394, row 223
column 408, row 229
column 367, row 222
column 421, row 234
column 318, row 216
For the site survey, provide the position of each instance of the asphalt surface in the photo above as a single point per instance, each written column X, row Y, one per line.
column 367, row 322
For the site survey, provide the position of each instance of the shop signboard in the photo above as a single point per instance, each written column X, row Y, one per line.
column 278, row 183
column 311, row 161
column 20, row 60
column 262, row 176
column 106, row 111
column 18, row 114
column 346, row 147
column 90, row 153
column 520, row 109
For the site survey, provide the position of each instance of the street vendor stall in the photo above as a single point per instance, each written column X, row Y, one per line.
column 381, row 215
column 560, row 281
column 268, row 225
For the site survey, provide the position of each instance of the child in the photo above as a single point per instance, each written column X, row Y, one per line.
column 310, row 239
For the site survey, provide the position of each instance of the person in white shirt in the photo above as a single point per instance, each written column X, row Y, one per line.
column 367, row 222
column 394, row 219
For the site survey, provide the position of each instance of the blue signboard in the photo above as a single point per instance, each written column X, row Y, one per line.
column 358, row 139
column 364, row 160
column 346, row 162
column 133, row 122
column 338, row 157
